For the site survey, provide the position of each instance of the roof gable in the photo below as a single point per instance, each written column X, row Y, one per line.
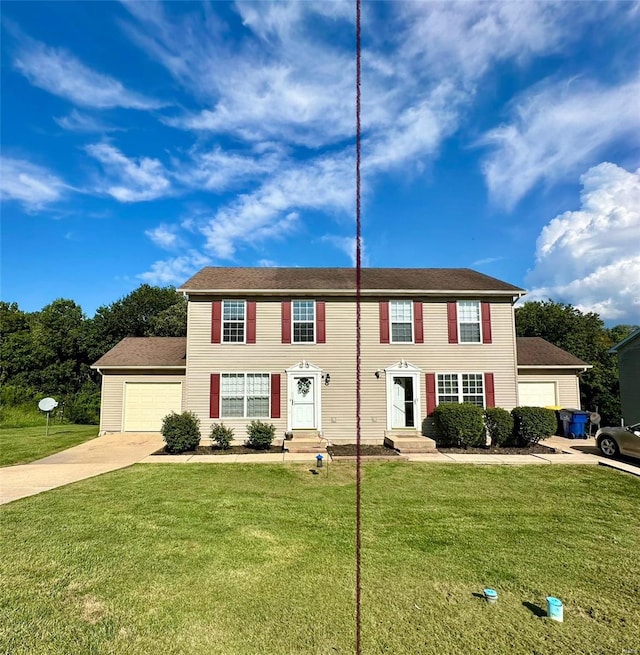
column 626, row 342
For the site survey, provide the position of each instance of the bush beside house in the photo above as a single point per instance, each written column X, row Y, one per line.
column 459, row 425
column 181, row 432
column 221, row 436
column 499, row 425
column 532, row 424
column 261, row 435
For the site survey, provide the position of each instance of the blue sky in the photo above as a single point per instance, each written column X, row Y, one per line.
column 143, row 141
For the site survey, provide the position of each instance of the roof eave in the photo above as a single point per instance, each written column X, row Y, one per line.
column 584, row 367
column 131, row 366
column 350, row 292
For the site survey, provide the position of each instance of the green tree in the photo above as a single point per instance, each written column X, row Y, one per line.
column 172, row 322
column 134, row 315
column 585, row 336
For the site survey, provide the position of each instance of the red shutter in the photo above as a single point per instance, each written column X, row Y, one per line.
column 275, row 395
column 418, row 329
column 452, row 321
column 216, row 321
column 286, row 321
column 320, row 322
column 214, row 397
column 384, row 322
column 489, row 392
column 251, row 321
column 485, row 308
column 431, row 392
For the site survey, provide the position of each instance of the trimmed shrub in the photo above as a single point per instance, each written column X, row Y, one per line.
column 499, row 425
column 459, row 424
column 181, row 432
column 533, row 423
column 261, row 435
column 221, row 435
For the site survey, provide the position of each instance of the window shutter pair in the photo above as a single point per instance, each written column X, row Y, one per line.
column 216, row 321
column 432, row 399
column 320, row 321
column 452, row 321
column 214, row 396
column 418, row 323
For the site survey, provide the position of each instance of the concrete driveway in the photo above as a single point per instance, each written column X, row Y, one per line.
column 100, row 455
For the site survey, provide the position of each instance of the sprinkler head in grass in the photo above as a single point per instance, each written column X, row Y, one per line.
column 491, row 595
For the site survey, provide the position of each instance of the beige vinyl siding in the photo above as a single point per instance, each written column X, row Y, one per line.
column 566, row 381
column 337, row 357
column 112, row 400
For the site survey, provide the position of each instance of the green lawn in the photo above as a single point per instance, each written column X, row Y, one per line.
column 22, row 445
column 226, row 559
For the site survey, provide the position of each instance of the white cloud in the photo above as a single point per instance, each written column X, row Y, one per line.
column 128, row 180
column 164, row 236
column 555, row 130
column 175, row 270
column 272, row 210
column 78, row 122
column 348, row 246
column 218, row 170
column 30, row 184
column 60, row 73
column 589, row 257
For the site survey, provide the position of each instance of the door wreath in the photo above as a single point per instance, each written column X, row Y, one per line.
column 304, row 385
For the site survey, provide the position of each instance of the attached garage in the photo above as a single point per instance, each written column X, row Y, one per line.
column 537, row 394
column 143, row 380
column 147, row 403
column 547, row 375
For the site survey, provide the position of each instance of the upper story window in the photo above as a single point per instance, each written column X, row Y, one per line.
column 233, row 321
column 401, row 319
column 461, row 388
column 469, row 321
column 304, row 321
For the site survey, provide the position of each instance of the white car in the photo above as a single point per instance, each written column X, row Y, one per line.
column 619, row 441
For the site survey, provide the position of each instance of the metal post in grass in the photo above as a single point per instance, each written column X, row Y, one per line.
column 47, row 405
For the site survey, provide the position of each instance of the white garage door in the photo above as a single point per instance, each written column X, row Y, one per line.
column 147, row 403
column 537, row 394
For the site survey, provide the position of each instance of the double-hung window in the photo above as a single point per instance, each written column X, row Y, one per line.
column 304, row 321
column 233, row 321
column 469, row 321
column 461, row 388
column 401, row 318
column 245, row 395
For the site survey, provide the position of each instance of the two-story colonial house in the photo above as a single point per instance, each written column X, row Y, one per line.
column 279, row 344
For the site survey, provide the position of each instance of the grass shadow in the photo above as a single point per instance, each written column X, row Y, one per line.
column 535, row 609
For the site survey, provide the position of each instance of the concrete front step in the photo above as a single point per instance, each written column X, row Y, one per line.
column 305, row 441
column 411, row 443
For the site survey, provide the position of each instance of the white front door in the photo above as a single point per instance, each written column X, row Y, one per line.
column 303, row 402
column 403, row 402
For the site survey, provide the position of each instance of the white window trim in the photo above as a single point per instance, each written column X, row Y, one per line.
column 411, row 321
column 315, row 322
column 245, row 397
column 469, row 343
column 222, row 322
column 459, row 374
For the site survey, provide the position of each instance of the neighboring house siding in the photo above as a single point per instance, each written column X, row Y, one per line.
column 337, row 357
column 566, row 381
column 629, row 367
column 112, row 401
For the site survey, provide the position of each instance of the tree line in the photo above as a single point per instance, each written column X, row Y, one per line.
column 49, row 352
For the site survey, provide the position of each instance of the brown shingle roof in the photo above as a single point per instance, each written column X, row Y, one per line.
column 536, row 351
column 146, row 351
column 343, row 279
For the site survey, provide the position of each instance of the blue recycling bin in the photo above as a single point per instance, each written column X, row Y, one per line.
column 577, row 425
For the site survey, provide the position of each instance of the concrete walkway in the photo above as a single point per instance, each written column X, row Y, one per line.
column 94, row 457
